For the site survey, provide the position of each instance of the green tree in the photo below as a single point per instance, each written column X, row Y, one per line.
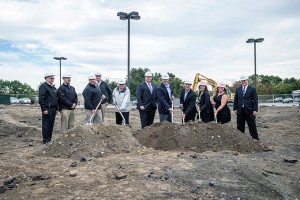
column 16, row 87
column 261, row 89
column 111, row 84
column 283, row 88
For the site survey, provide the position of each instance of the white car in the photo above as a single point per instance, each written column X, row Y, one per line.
column 14, row 100
column 24, row 101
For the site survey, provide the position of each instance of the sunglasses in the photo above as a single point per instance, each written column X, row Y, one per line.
column 121, row 84
column 188, row 84
column 52, row 78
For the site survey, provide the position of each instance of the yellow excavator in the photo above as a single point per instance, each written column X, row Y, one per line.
column 200, row 77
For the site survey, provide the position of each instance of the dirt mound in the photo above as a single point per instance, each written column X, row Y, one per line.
column 198, row 137
column 92, row 141
column 20, row 129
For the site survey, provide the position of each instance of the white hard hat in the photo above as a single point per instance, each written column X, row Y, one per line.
column 98, row 74
column 48, row 74
column 121, row 82
column 66, row 76
column 148, row 74
column 188, row 82
column 243, row 77
column 165, row 76
column 92, row 76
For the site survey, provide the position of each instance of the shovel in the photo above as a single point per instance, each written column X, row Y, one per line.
column 183, row 118
column 198, row 110
column 92, row 117
column 172, row 113
column 123, row 121
column 216, row 118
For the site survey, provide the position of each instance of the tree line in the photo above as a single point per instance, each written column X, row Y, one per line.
column 269, row 84
column 266, row 84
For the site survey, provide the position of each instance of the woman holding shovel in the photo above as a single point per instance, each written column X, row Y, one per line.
column 204, row 104
column 219, row 100
column 121, row 98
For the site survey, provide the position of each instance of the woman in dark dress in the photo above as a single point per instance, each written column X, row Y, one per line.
column 204, row 104
column 219, row 100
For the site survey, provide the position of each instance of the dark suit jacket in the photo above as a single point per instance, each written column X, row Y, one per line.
column 250, row 100
column 145, row 98
column 189, row 107
column 164, row 101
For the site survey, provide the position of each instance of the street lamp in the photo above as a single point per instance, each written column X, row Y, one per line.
column 124, row 16
column 60, row 58
column 251, row 40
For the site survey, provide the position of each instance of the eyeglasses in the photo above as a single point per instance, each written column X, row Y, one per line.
column 188, row 84
column 97, row 75
column 52, row 78
column 121, row 84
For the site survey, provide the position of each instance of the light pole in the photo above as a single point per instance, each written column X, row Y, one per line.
column 124, row 16
column 251, row 40
column 60, row 58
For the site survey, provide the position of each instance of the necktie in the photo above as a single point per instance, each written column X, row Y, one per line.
column 244, row 90
column 150, row 87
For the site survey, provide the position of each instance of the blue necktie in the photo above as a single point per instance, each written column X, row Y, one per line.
column 244, row 90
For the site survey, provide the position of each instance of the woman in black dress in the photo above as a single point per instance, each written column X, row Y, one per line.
column 204, row 104
column 219, row 100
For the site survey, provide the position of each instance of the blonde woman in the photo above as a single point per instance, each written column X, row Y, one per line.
column 219, row 100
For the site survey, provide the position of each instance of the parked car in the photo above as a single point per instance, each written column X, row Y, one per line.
column 14, row 100
column 287, row 100
column 134, row 103
column 278, row 99
column 24, row 101
column 36, row 99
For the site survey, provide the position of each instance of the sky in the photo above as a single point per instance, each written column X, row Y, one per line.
column 181, row 37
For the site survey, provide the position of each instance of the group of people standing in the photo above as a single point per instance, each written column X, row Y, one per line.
column 97, row 95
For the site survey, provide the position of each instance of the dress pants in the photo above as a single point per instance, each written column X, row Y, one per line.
column 103, row 111
column 48, row 124
column 67, row 120
column 250, row 118
column 165, row 117
column 97, row 118
column 119, row 118
column 147, row 117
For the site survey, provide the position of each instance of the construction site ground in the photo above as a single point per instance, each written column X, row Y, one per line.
column 162, row 161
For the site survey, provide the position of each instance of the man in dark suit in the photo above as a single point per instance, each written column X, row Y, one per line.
column 165, row 97
column 49, row 106
column 245, row 107
column 146, row 94
column 187, row 102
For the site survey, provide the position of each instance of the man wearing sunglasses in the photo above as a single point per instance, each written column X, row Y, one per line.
column 67, row 101
column 48, row 104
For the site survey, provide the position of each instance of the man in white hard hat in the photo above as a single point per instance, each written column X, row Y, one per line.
column 102, row 85
column 48, row 104
column 121, row 99
column 188, row 102
column 146, row 94
column 92, row 97
column 245, row 107
column 67, row 101
column 165, row 95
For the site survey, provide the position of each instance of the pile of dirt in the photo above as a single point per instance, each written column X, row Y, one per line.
column 91, row 141
column 198, row 137
column 19, row 129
